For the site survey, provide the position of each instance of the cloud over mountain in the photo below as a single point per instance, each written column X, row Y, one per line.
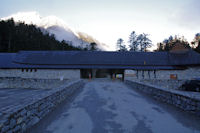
column 56, row 26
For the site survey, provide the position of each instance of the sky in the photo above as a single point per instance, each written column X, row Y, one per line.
column 108, row 20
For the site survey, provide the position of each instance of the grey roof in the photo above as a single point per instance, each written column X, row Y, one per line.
column 6, row 60
column 185, row 58
column 91, row 57
column 98, row 60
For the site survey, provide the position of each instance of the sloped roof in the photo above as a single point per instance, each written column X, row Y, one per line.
column 6, row 60
column 99, row 60
column 184, row 58
column 91, row 58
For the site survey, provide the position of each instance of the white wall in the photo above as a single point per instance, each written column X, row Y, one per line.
column 181, row 74
column 42, row 73
column 190, row 73
column 75, row 73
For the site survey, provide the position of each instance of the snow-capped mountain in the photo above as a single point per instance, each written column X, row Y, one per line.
column 56, row 26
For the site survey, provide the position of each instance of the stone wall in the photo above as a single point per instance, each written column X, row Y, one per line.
column 164, row 83
column 189, row 73
column 41, row 73
column 185, row 101
column 22, row 117
column 28, row 83
column 192, row 72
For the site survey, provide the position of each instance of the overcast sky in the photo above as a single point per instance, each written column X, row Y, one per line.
column 108, row 20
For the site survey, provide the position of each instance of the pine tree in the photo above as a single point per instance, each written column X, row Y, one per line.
column 93, row 46
column 120, row 45
column 19, row 36
column 144, row 42
column 133, row 42
column 197, row 42
column 147, row 43
column 160, row 47
column 169, row 43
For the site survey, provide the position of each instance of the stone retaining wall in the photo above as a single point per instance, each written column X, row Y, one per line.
column 181, row 100
column 17, row 82
column 187, row 74
column 25, row 116
column 41, row 73
column 165, row 83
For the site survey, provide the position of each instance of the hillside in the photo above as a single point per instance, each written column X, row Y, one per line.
column 19, row 36
column 57, row 27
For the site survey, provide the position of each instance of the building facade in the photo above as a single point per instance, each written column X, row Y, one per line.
column 176, row 64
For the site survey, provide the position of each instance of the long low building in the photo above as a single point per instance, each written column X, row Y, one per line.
column 183, row 64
